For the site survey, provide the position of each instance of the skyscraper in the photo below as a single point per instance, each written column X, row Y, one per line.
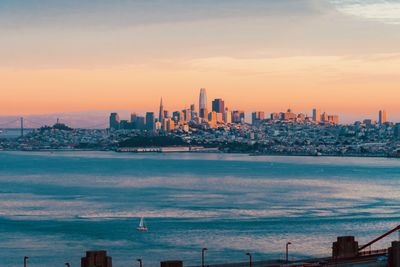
column 218, row 105
column 316, row 115
column 114, row 121
column 257, row 117
column 150, row 120
column 161, row 113
column 382, row 117
column 203, row 104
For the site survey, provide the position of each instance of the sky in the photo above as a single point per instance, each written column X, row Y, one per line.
column 342, row 56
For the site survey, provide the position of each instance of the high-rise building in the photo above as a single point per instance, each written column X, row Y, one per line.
column 324, row 117
column 187, row 115
column 274, row 116
column 238, row 116
column 168, row 125
column 150, row 121
column 316, row 115
column 397, row 131
column 114, row 121
column 141, row 122
column 382, row 117
column 289, row 115
column 161, row 112
column 257, row 117
column 227, row 116
column 203, row 104
column 333, row 119
column 218, row 105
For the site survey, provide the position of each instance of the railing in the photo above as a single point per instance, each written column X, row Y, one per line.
column 372, row 252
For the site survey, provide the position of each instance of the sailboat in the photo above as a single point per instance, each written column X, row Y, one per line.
column 142, row 226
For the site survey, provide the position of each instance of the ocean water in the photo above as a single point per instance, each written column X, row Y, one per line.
column 55, row 206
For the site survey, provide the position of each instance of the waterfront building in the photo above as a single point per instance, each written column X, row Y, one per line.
column 218, row 105
column 203, row 104
column 316, row 115
column 114, row 121
column 150, row 120
column 382, row 117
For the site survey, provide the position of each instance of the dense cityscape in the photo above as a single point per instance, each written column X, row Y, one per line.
column 220, row 129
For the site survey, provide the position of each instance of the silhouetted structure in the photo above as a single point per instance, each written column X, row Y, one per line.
column 394, row 254
column 345, row 247
column 96, row 259
column 171, row 264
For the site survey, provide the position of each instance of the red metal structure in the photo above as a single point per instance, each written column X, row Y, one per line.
column 397, row 228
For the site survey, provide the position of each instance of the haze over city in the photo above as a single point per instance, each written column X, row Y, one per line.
column 74, row 56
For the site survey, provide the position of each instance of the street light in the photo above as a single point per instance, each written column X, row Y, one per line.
column 250, row 258
column 25, row 261
column 140, row 262
column 287, row 251
column 202, row 256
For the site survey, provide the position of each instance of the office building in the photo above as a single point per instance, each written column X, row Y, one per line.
column 382, row 117
column 161, row 114
column 238, row 116
column 203, row 104
column 227, row 116
column 257, row 117
column 150, row 121
column 114, row 121
column 397, row 130
column 218, row 105
column 316, row 115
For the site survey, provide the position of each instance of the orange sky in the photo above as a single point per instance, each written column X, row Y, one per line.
column 313, row 54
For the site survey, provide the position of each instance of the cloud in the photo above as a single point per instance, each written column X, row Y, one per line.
column 84, row 14
column 385, row 11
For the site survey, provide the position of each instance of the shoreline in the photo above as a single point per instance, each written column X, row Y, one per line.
column 251, row 154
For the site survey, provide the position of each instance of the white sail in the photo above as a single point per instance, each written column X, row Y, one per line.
column 142, row 226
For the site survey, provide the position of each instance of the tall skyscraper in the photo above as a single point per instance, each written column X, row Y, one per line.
column 161, row 112
column 218, row 105
column 382, row 117
column 203, row 104
column 114, row 121
column 257, row 117
column 150, row 121
column 316, row 115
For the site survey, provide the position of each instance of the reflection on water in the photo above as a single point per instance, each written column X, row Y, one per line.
column 70, row 202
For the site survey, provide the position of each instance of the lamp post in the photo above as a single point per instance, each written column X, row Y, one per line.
column 250, row 259
column 287, row 251
column 25, row 261
column 140, row 262
column 203, row 250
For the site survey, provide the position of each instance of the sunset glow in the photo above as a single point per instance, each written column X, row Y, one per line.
column 70, row 56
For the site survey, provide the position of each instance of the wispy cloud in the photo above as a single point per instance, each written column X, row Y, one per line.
column 385, row 11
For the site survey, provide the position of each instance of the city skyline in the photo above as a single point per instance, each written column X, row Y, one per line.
column 334, row 54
